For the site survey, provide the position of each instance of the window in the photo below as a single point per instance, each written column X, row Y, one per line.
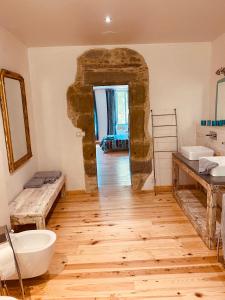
column 111, row 112
column 122, row 107
column 121, row 111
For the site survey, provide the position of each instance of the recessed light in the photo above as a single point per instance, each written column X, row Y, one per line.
column 108, row 19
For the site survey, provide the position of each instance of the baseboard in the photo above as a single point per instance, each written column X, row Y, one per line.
column 187, row 187
column 157, row 189
column 163, row 188
column 75, row 192
column 169, row 188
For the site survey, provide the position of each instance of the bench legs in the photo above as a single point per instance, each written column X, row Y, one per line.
column 63, row 191
column 40, row 223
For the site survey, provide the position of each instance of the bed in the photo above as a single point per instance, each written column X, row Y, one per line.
column 112, row 143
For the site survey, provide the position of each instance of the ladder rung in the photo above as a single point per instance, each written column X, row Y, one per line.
column 164, row 125
column 162, row 115
column 165, row 136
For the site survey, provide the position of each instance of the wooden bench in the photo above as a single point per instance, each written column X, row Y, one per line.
column 32, row 205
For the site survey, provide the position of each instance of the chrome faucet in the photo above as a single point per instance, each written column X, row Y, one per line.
column 212, row 135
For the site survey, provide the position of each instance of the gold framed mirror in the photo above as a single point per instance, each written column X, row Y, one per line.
column 15, row 119
column 220, row 99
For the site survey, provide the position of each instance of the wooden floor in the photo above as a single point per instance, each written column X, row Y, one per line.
column 124, row 245
column 113, row 168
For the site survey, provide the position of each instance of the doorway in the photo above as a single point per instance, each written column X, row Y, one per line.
column 119, row 66
column 111, row 120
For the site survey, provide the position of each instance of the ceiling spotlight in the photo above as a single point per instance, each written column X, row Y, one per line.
column 108, row 19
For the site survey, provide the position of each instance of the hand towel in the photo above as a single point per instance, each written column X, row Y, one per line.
column 34, row 183
column 50, row 179
column 47, row 174
column 205, row 166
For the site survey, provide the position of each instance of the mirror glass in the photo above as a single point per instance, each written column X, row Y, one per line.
column 15, row 119
column 220, row 100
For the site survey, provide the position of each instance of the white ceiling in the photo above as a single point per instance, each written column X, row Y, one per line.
column 81, row 22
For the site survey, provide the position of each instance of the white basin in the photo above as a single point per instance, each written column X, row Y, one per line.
column 220, row 170
column 195, row 152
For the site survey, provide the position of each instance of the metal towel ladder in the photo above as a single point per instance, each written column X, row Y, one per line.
column 174, row 124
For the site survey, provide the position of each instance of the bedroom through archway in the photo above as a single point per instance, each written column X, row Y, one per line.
column 111, row 118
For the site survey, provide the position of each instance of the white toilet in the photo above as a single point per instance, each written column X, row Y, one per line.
column 34, row 250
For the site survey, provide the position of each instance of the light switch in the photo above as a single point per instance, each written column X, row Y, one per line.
column 80, row 134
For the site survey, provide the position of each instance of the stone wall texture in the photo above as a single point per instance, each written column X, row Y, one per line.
column 113, row 67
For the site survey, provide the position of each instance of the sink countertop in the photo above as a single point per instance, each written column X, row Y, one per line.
column 194, row 166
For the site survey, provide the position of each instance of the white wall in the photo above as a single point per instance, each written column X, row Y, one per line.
column 217, row 61
column 203, row 140
column 179, row 77
column 59, row 144
column 13, row 56
column 101, row 105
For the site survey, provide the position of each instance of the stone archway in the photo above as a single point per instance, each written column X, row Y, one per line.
column 113, row 67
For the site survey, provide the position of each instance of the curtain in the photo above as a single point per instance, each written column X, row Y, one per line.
column 111, row 111
column 96, row 119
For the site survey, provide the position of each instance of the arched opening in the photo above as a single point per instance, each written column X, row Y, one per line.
column 120, row 66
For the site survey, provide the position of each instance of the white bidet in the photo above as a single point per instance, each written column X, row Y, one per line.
column 34, row 250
